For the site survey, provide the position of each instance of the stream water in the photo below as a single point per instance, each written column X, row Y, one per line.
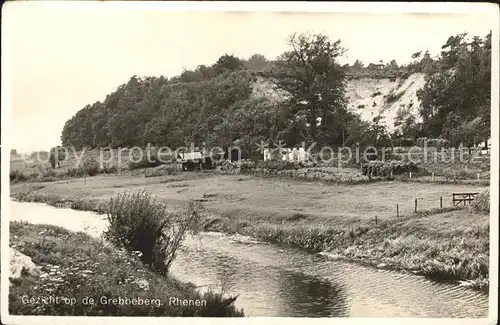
column 275, row 281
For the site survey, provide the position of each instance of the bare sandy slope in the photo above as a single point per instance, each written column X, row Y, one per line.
column 367, row 96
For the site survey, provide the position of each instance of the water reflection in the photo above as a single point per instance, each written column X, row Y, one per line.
column 305, row 295
column 274, row 281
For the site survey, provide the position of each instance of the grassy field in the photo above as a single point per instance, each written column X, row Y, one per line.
column 255, row 196
column 77, row 266
column 35, row 164
column 448, row 243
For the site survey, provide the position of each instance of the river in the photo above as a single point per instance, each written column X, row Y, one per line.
column 277, row 281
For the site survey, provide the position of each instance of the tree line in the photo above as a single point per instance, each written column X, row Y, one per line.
column 215, row 104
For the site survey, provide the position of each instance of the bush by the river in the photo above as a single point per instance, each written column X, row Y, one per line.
column 140, row 223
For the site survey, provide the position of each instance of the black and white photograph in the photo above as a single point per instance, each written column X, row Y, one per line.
column 228, row 159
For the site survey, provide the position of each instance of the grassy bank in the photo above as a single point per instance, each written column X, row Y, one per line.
column 77, row 266
column 443, row 244
column 447, row 244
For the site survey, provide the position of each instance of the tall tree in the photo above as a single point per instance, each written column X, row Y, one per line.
column 257, row 62
column 315, row 82
column 459, row 90
column 227, row 62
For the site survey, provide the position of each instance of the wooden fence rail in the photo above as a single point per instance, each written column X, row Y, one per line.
column 463, row 197
column 458, row 198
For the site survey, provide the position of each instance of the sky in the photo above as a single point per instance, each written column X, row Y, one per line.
column 63, row 58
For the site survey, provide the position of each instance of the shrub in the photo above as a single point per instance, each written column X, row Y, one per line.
column 47, row 175
column 246, row 167
column 18, row 176
column 232, row 166
column 377, row 93
column 277, row 164
column 75, row 172
column 381, row 168
column 433, row 143
column 420, row 141
column 137, row 222
column 407, row 142
column 371, row 154
column 109, row 170
column 90, row 166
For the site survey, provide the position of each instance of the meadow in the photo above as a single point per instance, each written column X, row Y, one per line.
column 352, row 222
column 252, row 195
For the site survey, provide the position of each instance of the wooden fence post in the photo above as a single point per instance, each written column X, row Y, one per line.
column 433, row 176
column 416, row 205
column 477, row 175
column 410, row 175
column 397, row 210
column 376, row 221
column 441, row 202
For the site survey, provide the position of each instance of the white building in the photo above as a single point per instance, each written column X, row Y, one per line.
column 288, row 154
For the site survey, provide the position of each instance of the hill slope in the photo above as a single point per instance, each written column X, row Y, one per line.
column 369, row 97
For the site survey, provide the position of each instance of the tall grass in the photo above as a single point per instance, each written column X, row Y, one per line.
column 482, row 202
column 88, row 167
column 138, row 222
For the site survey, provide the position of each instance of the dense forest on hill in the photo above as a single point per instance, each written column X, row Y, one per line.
column 218, row 104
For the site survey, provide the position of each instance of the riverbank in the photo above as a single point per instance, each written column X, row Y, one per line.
column 442, row 244
column 446, row 244
column 72, row 268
